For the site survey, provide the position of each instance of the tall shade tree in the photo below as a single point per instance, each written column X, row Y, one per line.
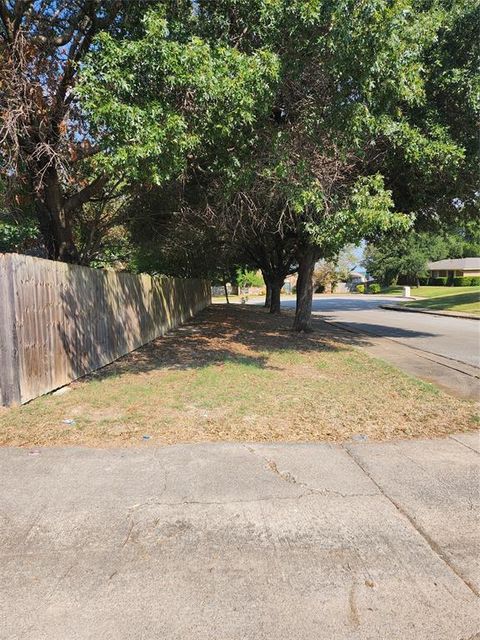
column 295, row 117
column 375, row 112
column 45, row 141
column 348, row 72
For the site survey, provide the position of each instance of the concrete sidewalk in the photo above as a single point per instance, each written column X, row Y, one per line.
column 242, row 542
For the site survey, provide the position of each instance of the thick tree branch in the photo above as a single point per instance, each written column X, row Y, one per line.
column 82, row 196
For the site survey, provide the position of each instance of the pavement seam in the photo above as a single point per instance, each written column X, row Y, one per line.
column 430, row 312
column 422, row 354
column 437, row 550
column 452, row 437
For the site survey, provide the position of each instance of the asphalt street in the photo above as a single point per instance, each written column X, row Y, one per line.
column 454, row 338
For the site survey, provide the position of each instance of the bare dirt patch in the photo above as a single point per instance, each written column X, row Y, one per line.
column 238, row 374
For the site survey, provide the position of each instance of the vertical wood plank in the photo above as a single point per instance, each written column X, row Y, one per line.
column 59, row 321
column 9, row 379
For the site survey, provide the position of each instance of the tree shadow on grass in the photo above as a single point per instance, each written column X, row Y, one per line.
column 106, row 315
column 222, row 334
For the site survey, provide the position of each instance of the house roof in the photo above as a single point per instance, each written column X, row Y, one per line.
column 457, row 263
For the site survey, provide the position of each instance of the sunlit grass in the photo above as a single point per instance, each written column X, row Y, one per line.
column 220, row 384
column 464, row 301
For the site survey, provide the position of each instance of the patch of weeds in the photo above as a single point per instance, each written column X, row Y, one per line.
column 426, row 387
column 289, row 356
column 135, row 391
column 246, row 363
column 230, row 371
column 354, row 360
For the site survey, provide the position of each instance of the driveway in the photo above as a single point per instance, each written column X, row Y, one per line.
column 242, row 542
column 453, row 338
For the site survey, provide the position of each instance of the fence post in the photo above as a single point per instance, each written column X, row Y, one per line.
column 9, row 364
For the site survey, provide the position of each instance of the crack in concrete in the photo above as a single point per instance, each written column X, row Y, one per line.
column 431, row 543
column 307, row 494
column 290, row 478
column 155, row 503
column 128, row 534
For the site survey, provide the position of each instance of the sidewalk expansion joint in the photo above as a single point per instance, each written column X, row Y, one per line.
column 431, row 543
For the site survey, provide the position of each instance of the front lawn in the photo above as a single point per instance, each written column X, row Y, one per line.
column 235, row 373
column 435, row 292
column 461, row 300
column 464, row 299
column 430, row 292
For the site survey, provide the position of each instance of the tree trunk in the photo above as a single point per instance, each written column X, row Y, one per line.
column 56, row 212
column 303, row 311
column 56, row 222
column 268, row 293
column 275, row 290
column 225, row 289
column 67, row 251
column 46, row 229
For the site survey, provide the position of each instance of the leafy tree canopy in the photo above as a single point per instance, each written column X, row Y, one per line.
column 406, row 256
column 159, row 104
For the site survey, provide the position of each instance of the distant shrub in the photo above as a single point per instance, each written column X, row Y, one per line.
column 462, row 281
column 374, row 288
column 423, row 281
column 438, row 282
column 360, row 288
column 246, row 279
column 475, row 281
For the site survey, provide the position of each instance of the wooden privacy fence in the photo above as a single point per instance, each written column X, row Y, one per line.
column 59, row 321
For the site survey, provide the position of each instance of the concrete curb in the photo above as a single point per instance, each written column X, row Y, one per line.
column 449, row 314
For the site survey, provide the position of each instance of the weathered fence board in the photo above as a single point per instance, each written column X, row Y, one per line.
column 60, row 321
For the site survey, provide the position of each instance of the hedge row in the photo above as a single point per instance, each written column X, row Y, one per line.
column 466, row 281
column 460, row 281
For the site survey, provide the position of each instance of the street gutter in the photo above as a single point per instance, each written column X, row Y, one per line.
column 449, row 314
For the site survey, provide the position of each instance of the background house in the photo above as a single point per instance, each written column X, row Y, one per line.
column 454, row 268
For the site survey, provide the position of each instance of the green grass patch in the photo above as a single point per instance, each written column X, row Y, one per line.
column 430, row 292
column 288, row 356
column 219, row 384
column 463, row 301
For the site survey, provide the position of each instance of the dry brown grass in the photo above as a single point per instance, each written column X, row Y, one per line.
column 235, row 373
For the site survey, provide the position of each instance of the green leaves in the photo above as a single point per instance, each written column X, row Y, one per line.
column 158, row 105
column 378, row 101
column 18, row 236
column 368, row 211
column 249, row 278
